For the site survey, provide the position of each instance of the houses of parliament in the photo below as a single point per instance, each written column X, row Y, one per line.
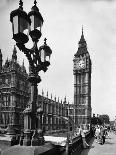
column 15, row 93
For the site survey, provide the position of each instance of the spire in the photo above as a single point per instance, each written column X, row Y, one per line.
column 65, row 99
column 0, row 52
column 55, row 98
column 82, row 49
column 47, row 94
column 51, row 96
column 58, row 99
column 82, row 40
column 82, row 29
column 0, row 55
column 23, row 67
column 14, row 55
column 7, row 63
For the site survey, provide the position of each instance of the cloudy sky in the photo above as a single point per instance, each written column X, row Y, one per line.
column 63, row 20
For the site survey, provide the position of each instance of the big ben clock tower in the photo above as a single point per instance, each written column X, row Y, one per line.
column 82, row 84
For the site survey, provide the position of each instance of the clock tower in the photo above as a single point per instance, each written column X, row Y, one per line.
column 82, row 84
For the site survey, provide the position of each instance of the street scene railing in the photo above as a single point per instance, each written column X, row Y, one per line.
column 57, row 141
column 75, row 141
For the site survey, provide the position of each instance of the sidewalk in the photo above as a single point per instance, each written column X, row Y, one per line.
column 109, row 148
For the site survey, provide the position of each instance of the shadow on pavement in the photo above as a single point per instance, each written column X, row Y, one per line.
column 2, row 135
column 108, row 138
column 109, row 143
column 86, row 151
column 91, row 147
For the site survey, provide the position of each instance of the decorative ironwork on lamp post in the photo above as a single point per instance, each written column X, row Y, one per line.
column 39, row 59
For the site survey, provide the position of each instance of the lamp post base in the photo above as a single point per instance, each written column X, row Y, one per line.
column 41, row 137
column 11, row 129
column 37, row 138
column 27, row 138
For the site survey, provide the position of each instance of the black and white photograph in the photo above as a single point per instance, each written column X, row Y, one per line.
column 57, row 77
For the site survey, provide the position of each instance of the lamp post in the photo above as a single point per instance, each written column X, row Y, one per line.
column 68, row 129
column 66, row 119
column 67, row 141
column 39, row 60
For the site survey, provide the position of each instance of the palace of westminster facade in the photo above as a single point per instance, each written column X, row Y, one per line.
column 15, row 93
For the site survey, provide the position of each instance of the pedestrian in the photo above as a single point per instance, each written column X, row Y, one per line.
column 97, row 132
column 102, row 133
column 81, row 132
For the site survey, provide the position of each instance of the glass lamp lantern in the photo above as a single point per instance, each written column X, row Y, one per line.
column 36, row 23
column 45, row 52
column 48, row 53
column 42, row 55
column 20, row 23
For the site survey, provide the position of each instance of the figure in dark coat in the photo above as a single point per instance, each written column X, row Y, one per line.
column 102, row 133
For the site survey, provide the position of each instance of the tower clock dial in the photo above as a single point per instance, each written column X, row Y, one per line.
column 81, row 64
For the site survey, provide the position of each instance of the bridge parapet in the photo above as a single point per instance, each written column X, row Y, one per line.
column 76, row 144
column 51, row 147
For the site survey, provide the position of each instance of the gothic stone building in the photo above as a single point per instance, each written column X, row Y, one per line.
column 82, row 84
column 54, row 112
column 15, row 94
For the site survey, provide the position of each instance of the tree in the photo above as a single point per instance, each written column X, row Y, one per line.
column 100, row 119
column 104, row 118
column 96, row 121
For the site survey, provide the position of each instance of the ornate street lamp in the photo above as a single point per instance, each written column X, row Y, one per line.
column 24, row 24
column 40, row 131
column 20, row 22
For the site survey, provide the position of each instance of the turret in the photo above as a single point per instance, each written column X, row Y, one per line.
column 51, row 96
column 14, row 55
column 0, row 60
column 23, row 67
column 82, row 49
column 47, row 94
column 65, row 100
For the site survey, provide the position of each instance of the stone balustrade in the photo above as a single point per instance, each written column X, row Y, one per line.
column 75, row 144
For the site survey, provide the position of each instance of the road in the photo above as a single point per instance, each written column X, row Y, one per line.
column 109, row 148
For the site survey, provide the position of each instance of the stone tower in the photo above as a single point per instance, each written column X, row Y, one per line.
column 14, row 93
column 82, row 84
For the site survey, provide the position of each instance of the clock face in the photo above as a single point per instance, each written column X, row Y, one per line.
column 81, row 64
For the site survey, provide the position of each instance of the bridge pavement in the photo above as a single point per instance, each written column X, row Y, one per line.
column 109, row 148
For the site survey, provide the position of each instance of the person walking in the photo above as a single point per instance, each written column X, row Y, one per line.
column 81, row 132
column 97, row 133
column 102, row 134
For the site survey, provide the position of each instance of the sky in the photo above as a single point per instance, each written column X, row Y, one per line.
column 63, row 20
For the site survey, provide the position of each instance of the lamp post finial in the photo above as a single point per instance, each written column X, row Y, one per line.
column 45, row 41
column 35, row 2
column 21, row 4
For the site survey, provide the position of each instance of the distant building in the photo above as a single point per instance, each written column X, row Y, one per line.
column 54, row 112
column 82, row 84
